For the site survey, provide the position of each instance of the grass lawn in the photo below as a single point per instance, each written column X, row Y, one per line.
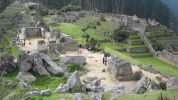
column 76, row 32
column 157, row 64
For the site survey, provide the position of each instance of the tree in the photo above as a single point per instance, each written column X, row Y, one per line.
column 119, row 35
column 87, row 36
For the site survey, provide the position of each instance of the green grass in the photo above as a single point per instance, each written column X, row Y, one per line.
column 15, row 51
column 157, row 64
column 144, row 58
column 76, row 32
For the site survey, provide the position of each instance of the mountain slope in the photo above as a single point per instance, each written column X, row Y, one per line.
column 173, row 5
column 154, row 9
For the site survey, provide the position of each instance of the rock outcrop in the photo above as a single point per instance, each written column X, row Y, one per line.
column 74, row 60
column 120, row 68
column 25, row 76
column 74, row 81
column 62, row 88
column 172, row 83
column 145, row 84
column 7, row 64
column 39, row 63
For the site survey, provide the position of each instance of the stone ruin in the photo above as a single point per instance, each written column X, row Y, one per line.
column 39, row 63
column 172, row 57
column 29, row 32
column 120, row 68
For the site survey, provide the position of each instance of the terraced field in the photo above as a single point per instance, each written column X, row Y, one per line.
column 120, row 50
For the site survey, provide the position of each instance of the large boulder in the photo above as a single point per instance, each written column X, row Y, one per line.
column 145, row 84
column 31, row 94
column 74, row 60
column 9, row 97
column 172, row 83
column 62, row 88
column 7, row 64
column 95, row 96
column 89, row 79
column 39, row 68
column 22, row 85
column 47, row 65
column 10, row 84
column 24, row 61
column 47, row 92
column 74, row 80
column 25, row 76
column 25, row 66
column 77, row 96
column 120, row 67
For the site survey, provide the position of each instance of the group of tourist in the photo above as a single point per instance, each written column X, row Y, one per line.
column 105, row 57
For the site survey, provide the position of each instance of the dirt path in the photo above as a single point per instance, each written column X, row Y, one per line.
column 95, row 67
column 148, row 74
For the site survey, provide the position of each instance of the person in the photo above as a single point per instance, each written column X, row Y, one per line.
column 80, row 46
column 29, row 42
column 79, row 51
column 105, row 60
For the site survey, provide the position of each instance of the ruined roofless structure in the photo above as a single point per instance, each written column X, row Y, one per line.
column 29, row 32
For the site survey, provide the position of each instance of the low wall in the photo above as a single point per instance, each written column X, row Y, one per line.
column 173, row 58
column 62, row 47
column 70, row 46
column 137, row 50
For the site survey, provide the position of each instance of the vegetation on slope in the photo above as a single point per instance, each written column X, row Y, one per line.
column 76, row 32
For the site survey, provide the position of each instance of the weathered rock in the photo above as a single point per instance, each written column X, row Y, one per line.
column 74, row 60
column 31, row 94
column 77, row 96
column 6, row 63
column 120, row 67
column 25, row 66
column 22, row 85
column 145, row 84
column 74, row 80
column 95, row 96
column 10, row 84
column 172, row 83
column 47, row 92
column 28, row 62
column 9, row 97
column 90, row 87
column 120, row 89
column 39, row 68
column 89, row 79
column 94, row 88
column 62, row 88
column 48, row 64
column 25, row 76
column 96, row 82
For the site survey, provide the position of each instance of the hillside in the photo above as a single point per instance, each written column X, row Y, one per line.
column 173, row 5
column 154, row 9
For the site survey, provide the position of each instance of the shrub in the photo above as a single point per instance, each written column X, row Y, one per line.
column 70, row 8
column 102, row 18
column 73, row 67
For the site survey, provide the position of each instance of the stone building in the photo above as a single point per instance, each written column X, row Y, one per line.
column 29, row 32
column 120, row 68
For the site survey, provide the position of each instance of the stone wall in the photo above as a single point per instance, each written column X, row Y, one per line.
column 63, row 47
column 173, row 58
column 120, row 68
column 70, row 46
column 137, row 50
